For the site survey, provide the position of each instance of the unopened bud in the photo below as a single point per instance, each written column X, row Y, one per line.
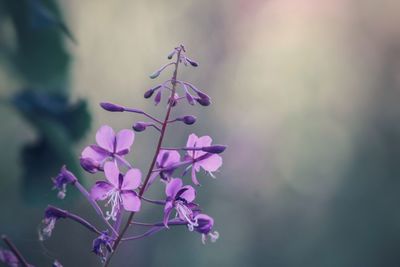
column 203, row 101
column 155, row 74
column 193, row 63
column 112, row 107
column 157, row 99
column 139, row 126
column 216, row 149
column 190, row 99
column 89, row 165
column 189, row 119
column 148, row 93
column 171, row 54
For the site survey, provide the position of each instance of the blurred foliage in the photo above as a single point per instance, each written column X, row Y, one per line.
column 41, row 61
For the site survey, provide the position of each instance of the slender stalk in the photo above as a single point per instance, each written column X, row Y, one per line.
column 153, row 162
column 16, row 252
column 83, row 222
column 143, row 113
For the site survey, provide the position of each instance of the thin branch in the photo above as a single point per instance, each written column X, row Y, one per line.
column 14, row 249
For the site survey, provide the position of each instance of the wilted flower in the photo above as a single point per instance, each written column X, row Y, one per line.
column 64, row 178
column 8, row 258
column 109, row 145
column 51, row 215
column 204, row 226
column 102, row 245
column 210, row 163
column 119, row 189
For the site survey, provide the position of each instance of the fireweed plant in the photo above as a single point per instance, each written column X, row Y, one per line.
column 120, row 187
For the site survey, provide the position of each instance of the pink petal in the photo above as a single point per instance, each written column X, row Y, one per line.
column 173, row 187
column 167, row 213
column 173, row 157
column 105, row 138
column 194, row 178
column 100, row 190
column 211, row 164
column 89, row 152
column 112, row 173
column 124, row 140
column 204, row 141
column 130, row 201
column 191, row 140
column 132, row 179
column 189, row 194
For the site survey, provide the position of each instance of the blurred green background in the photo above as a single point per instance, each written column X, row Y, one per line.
column 305, row 93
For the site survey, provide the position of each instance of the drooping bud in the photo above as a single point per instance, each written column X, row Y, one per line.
column 64, row 178
column 203, row 101
column 155, row 74
column 215, row 149
column 202, row 95
column 89, row 165
column 170, row 55
column 112, row 107
column 148, row 93
column 157, row 99
column 139, row 126
column 192, row 62
column 190, row 99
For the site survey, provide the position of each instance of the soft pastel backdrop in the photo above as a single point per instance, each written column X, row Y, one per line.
column 305, row 94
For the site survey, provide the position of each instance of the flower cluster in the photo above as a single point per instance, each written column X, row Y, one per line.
column 121, row 187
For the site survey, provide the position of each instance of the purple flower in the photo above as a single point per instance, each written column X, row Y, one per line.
column 181, row 198
column 167, row 159
column 119, row 189
column 8, row 258
column 209, row 162
column 51, row 215
column 101, row 245
column 109, row 145
column 63, row 178
column 204, row 226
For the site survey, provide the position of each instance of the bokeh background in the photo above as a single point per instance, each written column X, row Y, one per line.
column 305, row 93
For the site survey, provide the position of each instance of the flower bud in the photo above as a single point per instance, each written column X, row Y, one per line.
column 139, row 126
column 157, row 99
column 191, row 62
column 215, row 149
column 190, row 99
column 202, row 95
column 189, row 119
column 89, row 165
column 148, row 93
column 203, row 101
column 111, row 107
column 155, row 74
column 171, row 54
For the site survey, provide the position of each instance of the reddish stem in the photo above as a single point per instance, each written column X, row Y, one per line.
column 153, row 162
